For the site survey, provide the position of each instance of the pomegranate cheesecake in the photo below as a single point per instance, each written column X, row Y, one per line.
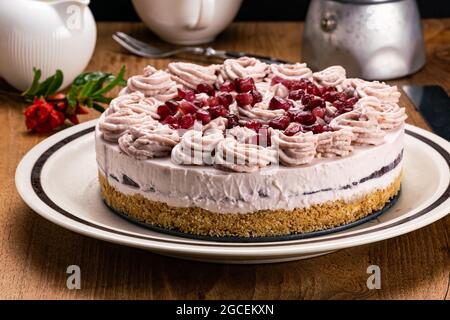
column 249, row 149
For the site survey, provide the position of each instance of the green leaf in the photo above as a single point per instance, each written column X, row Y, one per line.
column 86, row 90
column 72, row 95
column 55, row 84
column 34, row 85
column 98, row 107
column 112, row 84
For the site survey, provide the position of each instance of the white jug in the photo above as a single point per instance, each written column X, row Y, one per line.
column 49, row 35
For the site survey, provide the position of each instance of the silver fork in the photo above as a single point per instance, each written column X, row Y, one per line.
column 145, row 50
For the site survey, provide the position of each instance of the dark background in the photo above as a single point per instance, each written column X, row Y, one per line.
column 273, row 10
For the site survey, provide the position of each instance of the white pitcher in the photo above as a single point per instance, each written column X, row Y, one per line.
column 49, row 35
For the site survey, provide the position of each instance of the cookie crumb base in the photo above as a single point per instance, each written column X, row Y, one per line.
column 262, row 223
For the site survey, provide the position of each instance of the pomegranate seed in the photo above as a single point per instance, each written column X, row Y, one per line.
column 200, row 103
column 225, row 99
column 203, row 115
column 186, row 121
column 325, row 90
column 318, row 112
column 342, row 96
column 275, row 80
column 213, row 101
column 315, row 102
column 280, row 122
column 188, row 107
column 338, row 104
column 174, row 126
column 253, row 124
column 170, row 120
column 232, row 121
column 206, row 88
column 305, row 118
column 227, row 86
column 173, row 106
column 318, row 128
column 244, row 85
column 306, row 99
column 330, row 96
column 296, row 94
column 313, row 89
column 300, row 84
column 163, row 111
column 280, row 103
column 244, row 99
column 186, row 94
column 293, row 129
column 292, row 113
column 218, row 111
column 257, row 96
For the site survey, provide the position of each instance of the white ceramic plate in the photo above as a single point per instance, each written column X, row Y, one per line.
column 58, row 179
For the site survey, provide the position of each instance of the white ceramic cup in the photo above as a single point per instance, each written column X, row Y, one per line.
column 187, row 22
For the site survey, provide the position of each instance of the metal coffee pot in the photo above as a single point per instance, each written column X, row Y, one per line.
column 372, row 39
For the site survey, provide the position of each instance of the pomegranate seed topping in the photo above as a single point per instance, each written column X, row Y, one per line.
column 318, row 128
column 292, row 113
column 325, row 90
column 280, row 103
column 244, row 85
column 296, row 94
column 173, row 106
column 186, row 121
column 330, row 96
column 206, row 88
column 227, row 86
column 315, row 102
column 338, row 104
column 299, row 84
column 305, row 118
column 163, row 111
column 275, row 80
column 257, row 96
column 280, row 122
column 218, row 111
column 170, row 120
column 200, row 103
column 307, row 99
column 342, row 96
column 313, row 89
column 188, row 107
column 293, row 129
column 203, row 116
column 244, row 99
column 253, row 124
column 186, row 94
column 225, row 99
column 318, row 112
column 233, row 121
column 213, row 101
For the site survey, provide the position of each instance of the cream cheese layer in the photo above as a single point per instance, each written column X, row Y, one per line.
column 271, row 188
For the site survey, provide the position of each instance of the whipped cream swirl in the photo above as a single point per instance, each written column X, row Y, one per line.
column 294, row 71
column 390, row 115
column 363, row 123
column 153, row 83
column 361, row 88
column 191, row 75
column 127, row 111
column 243, row 67
column 330, row 77
column 242, row 157
column 197, row 147
column 334, row 143
column 294, row 150
column 149, row 140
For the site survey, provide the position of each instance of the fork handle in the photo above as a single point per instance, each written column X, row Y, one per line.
column 268, row 60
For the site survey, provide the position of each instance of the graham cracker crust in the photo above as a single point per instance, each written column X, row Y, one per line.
column 262, row 223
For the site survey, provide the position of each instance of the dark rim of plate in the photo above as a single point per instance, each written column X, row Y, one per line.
column 36, row 172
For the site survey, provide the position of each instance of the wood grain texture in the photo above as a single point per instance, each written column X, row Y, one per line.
column 34, row 253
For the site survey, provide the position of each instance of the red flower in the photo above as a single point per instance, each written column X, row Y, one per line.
column 42, row 116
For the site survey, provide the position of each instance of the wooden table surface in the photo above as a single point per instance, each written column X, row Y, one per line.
column 35, row 253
